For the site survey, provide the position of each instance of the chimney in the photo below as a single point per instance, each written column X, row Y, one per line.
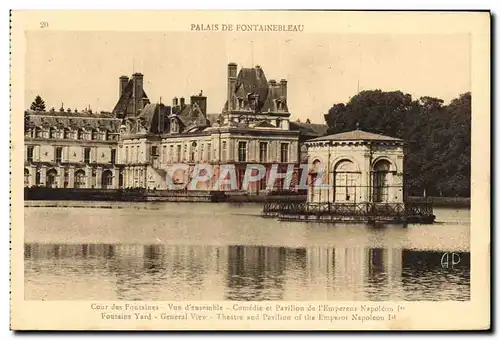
column 232, row 68
column 123, row 82
column 183, row 102
column 175, row 102
column 283, row 88
column 271, row 82
column 138, row 92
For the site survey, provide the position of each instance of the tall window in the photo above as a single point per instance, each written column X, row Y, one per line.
column 185, row 152
column 209, row 152
column 202, row 153
column 26, row 178
column 242, row 151
column 38, row 177
column 346, row 179
column 86, row 155
column 80, row 179
column 29, row 154
column 193, row 152
column 284, row 152
column 66, row 178
column 263, row 151
column 58, row 154
column 107, row 179
column 137, row 154
column 224, row 151
column 164, row 154
column 113, row 156
column 171, row 153
column 126, row 154
column 179, row 153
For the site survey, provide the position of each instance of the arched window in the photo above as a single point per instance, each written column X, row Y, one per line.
column 107, row 179
column 345, row 181
column 51, row 181
column 26, row 178
column 80, row 179
column 380, row 181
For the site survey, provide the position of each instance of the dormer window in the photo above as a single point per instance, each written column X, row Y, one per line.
column 279, row 105
column 253, row 100
column 174, row 126
column 240, row 103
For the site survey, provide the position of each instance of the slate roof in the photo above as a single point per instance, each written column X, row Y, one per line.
column 212, row 117
column 355, row 135
column 74, row 120
column 309, row 129
column 126, row 97
column 190, row 115
column 149, row 116
column 253, row 80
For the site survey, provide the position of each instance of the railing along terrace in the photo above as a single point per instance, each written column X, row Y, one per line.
column 275, row 207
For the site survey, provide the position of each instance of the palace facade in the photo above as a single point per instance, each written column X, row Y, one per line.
column 140, row 143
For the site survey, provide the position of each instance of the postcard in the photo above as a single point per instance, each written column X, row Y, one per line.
column 250, row 170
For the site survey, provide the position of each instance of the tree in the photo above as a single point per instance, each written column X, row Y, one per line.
column 38, row 104
column 26, row 121
column 438, row 136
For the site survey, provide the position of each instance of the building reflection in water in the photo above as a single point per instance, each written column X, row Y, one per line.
column 255, row 273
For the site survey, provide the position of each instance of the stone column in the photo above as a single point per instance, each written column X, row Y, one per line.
column 365, row 178
column 32, row 170
column 115, row 173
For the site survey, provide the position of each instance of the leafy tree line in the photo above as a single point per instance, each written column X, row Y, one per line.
column 37, row 105
column 438, row 136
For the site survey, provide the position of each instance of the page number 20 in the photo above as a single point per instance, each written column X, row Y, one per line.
column 44, row 24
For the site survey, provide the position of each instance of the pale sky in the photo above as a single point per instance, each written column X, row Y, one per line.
column 82, row 68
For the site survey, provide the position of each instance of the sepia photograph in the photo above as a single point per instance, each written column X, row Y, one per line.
column 227, row 163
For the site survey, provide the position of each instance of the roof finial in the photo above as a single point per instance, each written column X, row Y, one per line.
column 357, row 125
